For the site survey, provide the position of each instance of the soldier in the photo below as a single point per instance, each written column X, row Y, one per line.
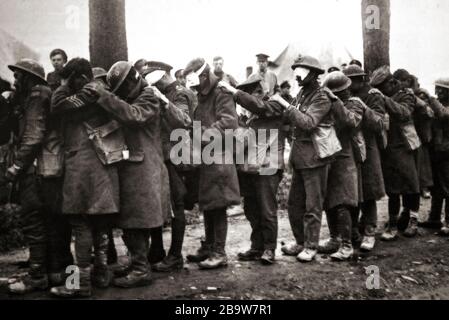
column 58, row 59
column 343, row 194
column 398, row 160
column 218, row 182
column 218, row 71
column 439, row 156
column 141, row 65
column 372, row 178
column 356, row 63
column 269, row 79
column 285, row 91
column 177, row 116
column 180, row 77
column 259, row 189
column 90, row 191
column 30, row 102
column 422, row 118
column 311, row 109
column 332, row 69
column 144, row 184
column 100, row 75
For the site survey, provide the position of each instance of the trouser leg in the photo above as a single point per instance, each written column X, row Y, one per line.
column 394, row 206
column 209, row 227
column 112, row 251
column 369, row 217
column 157, row 243
column 252, row 213
column 412, row 203
column 344, row 223
column 136, row 240
column 297, row 206
column 315, row 186
column 33, row 223
column 266, row 191
column 355, row 218
column 220, row 221
column 178, row 223
column 332, row 223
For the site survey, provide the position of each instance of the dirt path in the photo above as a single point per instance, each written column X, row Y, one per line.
column 409, row 269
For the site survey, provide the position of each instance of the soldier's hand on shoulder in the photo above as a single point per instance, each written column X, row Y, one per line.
column 375, row 91
column 227, row 86
column 160, row 96
column 277, row 98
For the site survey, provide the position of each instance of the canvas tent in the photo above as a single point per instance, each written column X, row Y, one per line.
column 12, row 50
column 329, row 54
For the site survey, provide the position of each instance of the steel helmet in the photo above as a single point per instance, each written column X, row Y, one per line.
column 30, row 66
column 309, row 63
column 99, row 73
column 442, row 82
column 117, row 74
column 354, row 70
column 337, row 81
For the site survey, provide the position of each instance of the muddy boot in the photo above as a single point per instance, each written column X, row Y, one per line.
column 330, row 246
column 250, row 255
column 390, row 233
column 292, row 249
column 307, row 255
column 268, row 257
column 412, row 228
column 215, row 260
column 368, row 243
column 57, row 278
column 170, row 263
column 36, row 280
column 101, row 276
column 344, row 253
column 202, row 253
column 82, row 291
column 134, row 279
column 403, row 221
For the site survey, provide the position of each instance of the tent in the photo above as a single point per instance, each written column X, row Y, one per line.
column 12, row 50
column 329, row 54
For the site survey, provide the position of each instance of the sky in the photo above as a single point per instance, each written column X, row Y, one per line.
column 175, row 31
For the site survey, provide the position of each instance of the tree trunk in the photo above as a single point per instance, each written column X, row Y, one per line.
column 376, row 33
column 107, row 43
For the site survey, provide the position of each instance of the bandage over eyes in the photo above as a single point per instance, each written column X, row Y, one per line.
column 154, row 77
column 301, row 72
column 193, row 78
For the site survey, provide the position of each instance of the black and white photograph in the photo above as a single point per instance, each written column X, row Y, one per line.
column 224, row 156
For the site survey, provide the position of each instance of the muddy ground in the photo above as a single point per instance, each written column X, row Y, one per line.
column 409, row 269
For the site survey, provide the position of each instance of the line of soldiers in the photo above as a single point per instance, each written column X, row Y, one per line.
column 97, row 150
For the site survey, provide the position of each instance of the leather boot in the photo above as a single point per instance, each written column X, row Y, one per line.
column 202, row 253
column 215, row 260
column 72, row 290
column 170, row 263
column 134, row 279
column 36, row 280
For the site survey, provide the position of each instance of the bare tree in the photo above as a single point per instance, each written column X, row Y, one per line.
column 376, row 33
column 107, row 43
